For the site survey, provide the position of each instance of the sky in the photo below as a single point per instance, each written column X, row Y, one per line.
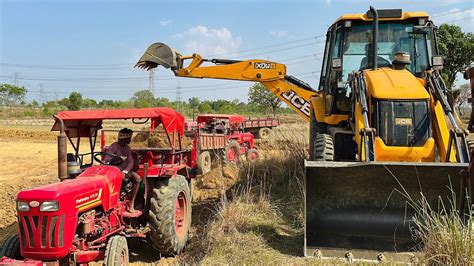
column 54, row 47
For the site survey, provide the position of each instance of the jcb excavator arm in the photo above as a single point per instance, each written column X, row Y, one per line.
column 292, row 91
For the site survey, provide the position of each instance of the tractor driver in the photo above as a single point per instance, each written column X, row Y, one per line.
column 121, row 148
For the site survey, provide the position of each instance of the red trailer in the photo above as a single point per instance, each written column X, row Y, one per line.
column 221, row 136
column 261, row 128
column 87, row 216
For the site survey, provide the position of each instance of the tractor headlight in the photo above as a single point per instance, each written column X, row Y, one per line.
column 49, row 206
column 22, row 206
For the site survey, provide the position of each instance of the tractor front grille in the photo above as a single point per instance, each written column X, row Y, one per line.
column 42, row 231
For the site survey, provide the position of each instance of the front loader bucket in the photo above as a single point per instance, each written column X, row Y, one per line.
column 159, row 54
column 363, row 206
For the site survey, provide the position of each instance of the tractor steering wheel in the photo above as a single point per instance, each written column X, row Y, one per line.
column 116, row 160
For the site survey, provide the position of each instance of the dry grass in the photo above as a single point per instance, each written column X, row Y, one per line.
column 446, row 237
column 260, row 221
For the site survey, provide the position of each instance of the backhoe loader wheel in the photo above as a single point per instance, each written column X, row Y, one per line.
column 470, row 145
column 252, row 155
column 232, row 152
column 11, row 248
column 116, row 253
column 204, row 162
column 264, row 133
column 323, row 148
column 170, row 215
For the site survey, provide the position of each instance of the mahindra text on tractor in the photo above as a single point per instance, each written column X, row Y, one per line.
column 89, row 214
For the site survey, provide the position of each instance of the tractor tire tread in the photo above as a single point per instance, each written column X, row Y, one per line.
column 11, row 248
column 115, row 246
column 163, row 233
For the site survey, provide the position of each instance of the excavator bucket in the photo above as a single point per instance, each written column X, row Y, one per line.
column 366, row 206
column 159, row 54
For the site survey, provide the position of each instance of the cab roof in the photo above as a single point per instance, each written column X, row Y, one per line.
column 233, row 119
column 85, row 123
column 365, row 17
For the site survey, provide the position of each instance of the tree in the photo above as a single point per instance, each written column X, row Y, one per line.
column 205, row 108
column 460, row 97
column 457, row 49
column 143, row 99
column 74, row 102
column 263, row 98
column 194, row 102
column 12, row 95
column 89, row 103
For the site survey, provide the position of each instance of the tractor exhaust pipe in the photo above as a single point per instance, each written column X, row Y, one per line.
column 375, row 36
column 62, row 150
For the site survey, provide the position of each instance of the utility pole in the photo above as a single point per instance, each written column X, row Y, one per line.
column 150, row 82
column 16, row 79
column 41, row 96
column 178, row 97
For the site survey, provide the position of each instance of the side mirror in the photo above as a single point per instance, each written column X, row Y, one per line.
column 437, row 62
column 336, row 63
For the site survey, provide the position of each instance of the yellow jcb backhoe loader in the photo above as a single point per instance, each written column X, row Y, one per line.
column 382, row 130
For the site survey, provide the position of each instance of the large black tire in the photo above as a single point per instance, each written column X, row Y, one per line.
column 232, row 152
column 116, row 253
column 11, row 248
column 323, row 148
column 170, row 223
column 204, row 162
column 264, row 133
column 470, row 145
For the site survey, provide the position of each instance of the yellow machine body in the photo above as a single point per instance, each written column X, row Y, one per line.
column 386, row 127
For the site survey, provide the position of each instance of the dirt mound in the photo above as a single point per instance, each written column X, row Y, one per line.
column 36, row 135
column 215, row 183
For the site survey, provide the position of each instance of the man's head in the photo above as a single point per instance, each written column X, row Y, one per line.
column 125, row 136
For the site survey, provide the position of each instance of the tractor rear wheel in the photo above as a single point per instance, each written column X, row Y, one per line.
column 232, row 152
column 170, row 215
column 204, row 162
column 252, row 155
column 323, row 148
column 116, row 253
column 11, row 248
column 264, row 133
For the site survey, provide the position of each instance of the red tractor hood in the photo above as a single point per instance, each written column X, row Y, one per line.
column 93, row 187
column 49, row 235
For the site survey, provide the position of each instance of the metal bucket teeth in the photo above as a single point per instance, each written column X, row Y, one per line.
column 159, row 54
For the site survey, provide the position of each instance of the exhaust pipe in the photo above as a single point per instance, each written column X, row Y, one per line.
column 62, row 150
column 375, row 36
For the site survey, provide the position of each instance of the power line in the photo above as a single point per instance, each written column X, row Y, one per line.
column 270, row 46
column 452, row 12
column 470, row 17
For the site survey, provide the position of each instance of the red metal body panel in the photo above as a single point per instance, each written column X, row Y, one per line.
column 209, row 141
column 258, row 123
column 49, row 235
column 7, row 261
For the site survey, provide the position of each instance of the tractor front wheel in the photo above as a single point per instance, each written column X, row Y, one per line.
column 252, row 155
column 11, row 248
column 170, row 215
column 116, row 253
column 232, row 152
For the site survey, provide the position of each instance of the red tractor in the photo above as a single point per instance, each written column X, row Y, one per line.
column 222, row 137
column 86, row 216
